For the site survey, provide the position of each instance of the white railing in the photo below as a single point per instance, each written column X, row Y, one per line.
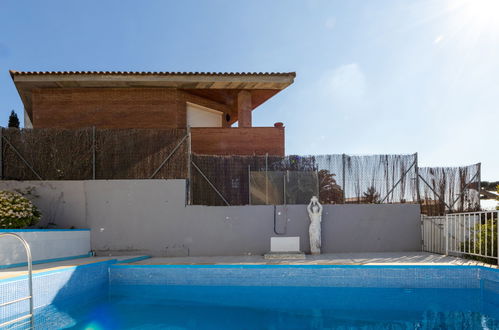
column 463, row 234
column 433, row 234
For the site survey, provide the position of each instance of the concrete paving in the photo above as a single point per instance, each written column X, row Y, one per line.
column 50, row 266
column 382, row 258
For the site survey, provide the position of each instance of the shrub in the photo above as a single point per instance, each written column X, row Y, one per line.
column 17, row 211
column 482, row 241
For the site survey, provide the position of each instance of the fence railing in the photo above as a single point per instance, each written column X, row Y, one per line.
column 472, row 235
column 432, row 230
column 109, row 154
column 338, row 178
column 90, row 153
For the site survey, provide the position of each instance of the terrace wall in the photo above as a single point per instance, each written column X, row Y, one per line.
column 238, row 141
column 150, row 217
column 45, row 245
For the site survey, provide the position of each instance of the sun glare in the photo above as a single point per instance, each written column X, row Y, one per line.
column 481, row 14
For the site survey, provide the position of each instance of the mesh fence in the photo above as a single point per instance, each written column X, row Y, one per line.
column 283, row 187
column 221, row 180
column 380, row 178
column 46, row 154
column 336, row 179
column 293, row 179
column 449, row 189
column 138, row 154
column 58, row 154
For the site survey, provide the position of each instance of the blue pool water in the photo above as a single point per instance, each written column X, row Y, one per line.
column 107, row 295
column 239, row 307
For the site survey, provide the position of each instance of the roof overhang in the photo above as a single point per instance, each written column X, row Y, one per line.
column 196, row 80
column 218, row 86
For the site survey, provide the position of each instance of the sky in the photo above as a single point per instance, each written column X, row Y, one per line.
column 373, row 77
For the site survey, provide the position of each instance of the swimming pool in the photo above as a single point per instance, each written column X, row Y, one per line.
column 114, row 296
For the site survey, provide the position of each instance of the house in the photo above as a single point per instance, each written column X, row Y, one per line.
column 489, row 200
column 209, row 103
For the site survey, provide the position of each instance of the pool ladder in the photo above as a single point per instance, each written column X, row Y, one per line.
column 29, row 316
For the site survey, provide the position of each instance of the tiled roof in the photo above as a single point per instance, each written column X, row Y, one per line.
column 165, row 73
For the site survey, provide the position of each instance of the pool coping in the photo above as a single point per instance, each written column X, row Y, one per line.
column 128, row 263
column 495, row 269
column 45, row 261
column 39, row 230
column 56, row 269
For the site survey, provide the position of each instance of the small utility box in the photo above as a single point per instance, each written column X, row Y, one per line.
column 285, row 248
column 285, row 244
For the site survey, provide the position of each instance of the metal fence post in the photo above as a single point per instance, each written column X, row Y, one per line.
column 189, row 159
column 285, row 178
column 418, row 194
column 343, row 156
column 249, row 184
column 266, row 179
column 93, row 153
column 480, row 188
column 423, row 238
column 446, row 233
column 1, row 153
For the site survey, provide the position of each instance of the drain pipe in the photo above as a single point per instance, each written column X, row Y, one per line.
column 275, row 223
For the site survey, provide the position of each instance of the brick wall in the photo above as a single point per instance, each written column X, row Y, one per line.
column 105, row 108
column 238, row 141
column 114, row 107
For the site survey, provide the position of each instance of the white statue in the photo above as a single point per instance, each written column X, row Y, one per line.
column 315, row 213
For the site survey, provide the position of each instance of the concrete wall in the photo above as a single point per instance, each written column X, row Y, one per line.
column 150, row 216
column 61, row 202
column 358, row 227
column 44, row 245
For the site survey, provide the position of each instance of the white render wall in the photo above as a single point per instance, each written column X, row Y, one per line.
column 150, row 217
column 45, row 244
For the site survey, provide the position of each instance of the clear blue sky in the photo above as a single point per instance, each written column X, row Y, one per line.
column 372, row 76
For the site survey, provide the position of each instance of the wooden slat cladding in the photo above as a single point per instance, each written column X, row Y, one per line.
column 105, row 108
column 238, row 141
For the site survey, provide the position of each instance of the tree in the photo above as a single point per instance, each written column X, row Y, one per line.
column 497, row 207
column 489, row 185
column 329, row 191
column 371, row 196
column 13, row 120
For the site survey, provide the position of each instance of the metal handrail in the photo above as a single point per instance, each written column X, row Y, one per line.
column 30, row 285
